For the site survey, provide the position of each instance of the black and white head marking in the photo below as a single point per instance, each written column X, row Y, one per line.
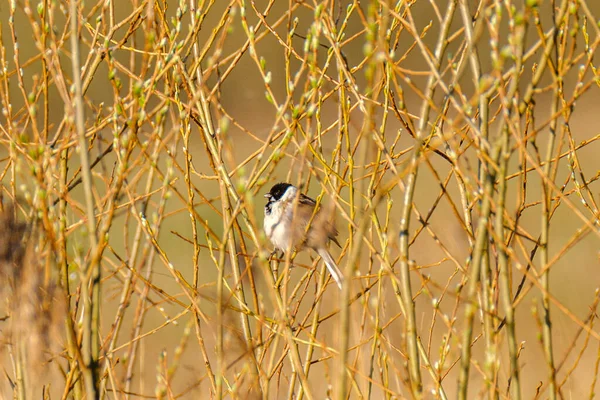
column 275, row 194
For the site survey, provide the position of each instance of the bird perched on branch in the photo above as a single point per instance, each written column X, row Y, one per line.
column 291, row 223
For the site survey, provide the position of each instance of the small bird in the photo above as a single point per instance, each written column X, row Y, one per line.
column 287, row 229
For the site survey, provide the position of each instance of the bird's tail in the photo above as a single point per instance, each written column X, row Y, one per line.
column 331, row 266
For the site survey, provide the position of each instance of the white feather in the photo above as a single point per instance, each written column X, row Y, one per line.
column 331, row 266
column 277, row 223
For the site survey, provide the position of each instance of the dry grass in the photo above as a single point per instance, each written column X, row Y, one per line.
column 457, row 141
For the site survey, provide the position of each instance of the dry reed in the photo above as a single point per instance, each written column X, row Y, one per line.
column 455, row 140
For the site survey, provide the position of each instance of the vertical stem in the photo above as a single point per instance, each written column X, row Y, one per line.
column 486, row 275
column 69, row 326
column 91, row 312
column 344, row 297
column 313, row 331
column 475, row 273
column 411, row 329
column 505, row 287
column 544, row 236
column 19, row 369
column 546, row 202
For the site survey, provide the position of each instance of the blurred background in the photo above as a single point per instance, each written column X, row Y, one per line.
column 191, row 111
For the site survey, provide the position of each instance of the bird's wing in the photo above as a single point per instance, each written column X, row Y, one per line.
column 322, row 223
column 304, row 199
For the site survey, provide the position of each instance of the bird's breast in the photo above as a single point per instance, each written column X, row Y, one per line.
column 277, row 229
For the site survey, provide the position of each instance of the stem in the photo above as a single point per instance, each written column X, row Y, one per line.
column 505, row 287
column 411, row 329
column 91, row 313
column 477, row 264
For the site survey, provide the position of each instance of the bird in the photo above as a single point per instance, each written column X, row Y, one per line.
column 287, row 225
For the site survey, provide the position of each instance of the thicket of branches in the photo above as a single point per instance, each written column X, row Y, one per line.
column 456, row 139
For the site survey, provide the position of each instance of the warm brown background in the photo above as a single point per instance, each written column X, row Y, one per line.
column 574, row 277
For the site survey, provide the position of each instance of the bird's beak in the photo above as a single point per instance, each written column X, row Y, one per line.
column 268, row 196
